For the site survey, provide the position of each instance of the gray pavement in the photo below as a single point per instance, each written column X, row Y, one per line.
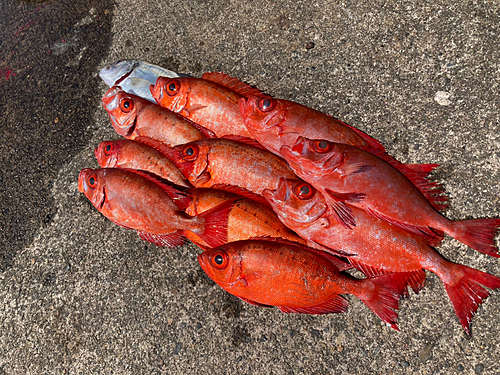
column 80, row 295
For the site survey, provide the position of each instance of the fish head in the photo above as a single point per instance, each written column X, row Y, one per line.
column 223, row 265
column 261, row 112
column 191, row 159
column 171, row 93
column 92, row 183
column 312, row 157
column 107, row 154
column 122, row 109
column 112, row 74
column 296, row 202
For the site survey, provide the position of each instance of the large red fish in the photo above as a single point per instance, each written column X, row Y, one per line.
column 127, row 154
column 276, row 122
column 138, row 202
column 133, row 116
column 211, row 101
column 376, row 246
column 230, row 165
column 247, row 219
column 346, row 174
column 295, row 278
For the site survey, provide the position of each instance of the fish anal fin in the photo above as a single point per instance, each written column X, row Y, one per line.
column 253, row 302
column 337, row 304
column 433, row 237
column 231, row 83
column 161, row 147
column 242, row 192
column 168, row 240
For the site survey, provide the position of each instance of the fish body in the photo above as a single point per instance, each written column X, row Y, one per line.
column 208, row 103
column 230, row 165
column 128, row 154
column 135, row 76
column 133, row 201
column 346, row 174
column 295, row 278
column 276, row 122
column 247, row 219
column 376, row 245
column 133, row 117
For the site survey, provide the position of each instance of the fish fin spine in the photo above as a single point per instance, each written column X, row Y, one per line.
column 337, row 304
column 467, row 294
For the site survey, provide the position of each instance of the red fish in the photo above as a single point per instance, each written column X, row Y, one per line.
column 211, row 101
column 138, row 202
column 276, row 122
column 230, row 165
column 133, row 116
column 127, row 154
column 247, row 219
column 376, row 246
column 297, row 279
column 346, row 174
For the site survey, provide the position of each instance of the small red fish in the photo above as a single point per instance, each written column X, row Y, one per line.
column 211, row 101
column 375, row 246
column 247, row 219
column 276, row 122
column 127, row 154
column 136, row 201
column 230, row 165
column 346, row 174
column 133, row 116
column 297, row 279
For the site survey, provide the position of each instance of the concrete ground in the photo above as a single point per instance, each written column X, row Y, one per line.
column 80, row 295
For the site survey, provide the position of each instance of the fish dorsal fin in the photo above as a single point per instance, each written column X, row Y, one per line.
column 168, row 240
column 337, row 304
column 245, row 140
column 181, row 199
column 339, row 263
column 231, row 83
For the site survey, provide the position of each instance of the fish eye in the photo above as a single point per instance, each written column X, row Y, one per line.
column 190, row 152
column 321, row 146
column 172, row 87
column 126, row 105
column 219, row 259
column 267, row 104
column 108, row 148
column 92, row 181
column 304, row 191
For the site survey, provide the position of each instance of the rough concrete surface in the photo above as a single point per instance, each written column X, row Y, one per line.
column 80, row 295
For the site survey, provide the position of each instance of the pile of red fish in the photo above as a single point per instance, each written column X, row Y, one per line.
column 281, row 198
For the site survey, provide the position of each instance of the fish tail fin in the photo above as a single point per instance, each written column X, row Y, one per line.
column 467, row 294
column 215, row 233
column 382, row 295
column 478, row 234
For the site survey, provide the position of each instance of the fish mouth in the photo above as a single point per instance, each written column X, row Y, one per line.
column 281, row 193
column 300, row 146
column 110, row 96
column 81, row 178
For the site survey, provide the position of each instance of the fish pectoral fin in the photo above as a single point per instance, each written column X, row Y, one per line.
column 351, row 197
column 253, row 302
column 354, row 168
column 337, row 304
column 329, row 250
column 195, row 107
column 340, row 210
column 168, row 240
